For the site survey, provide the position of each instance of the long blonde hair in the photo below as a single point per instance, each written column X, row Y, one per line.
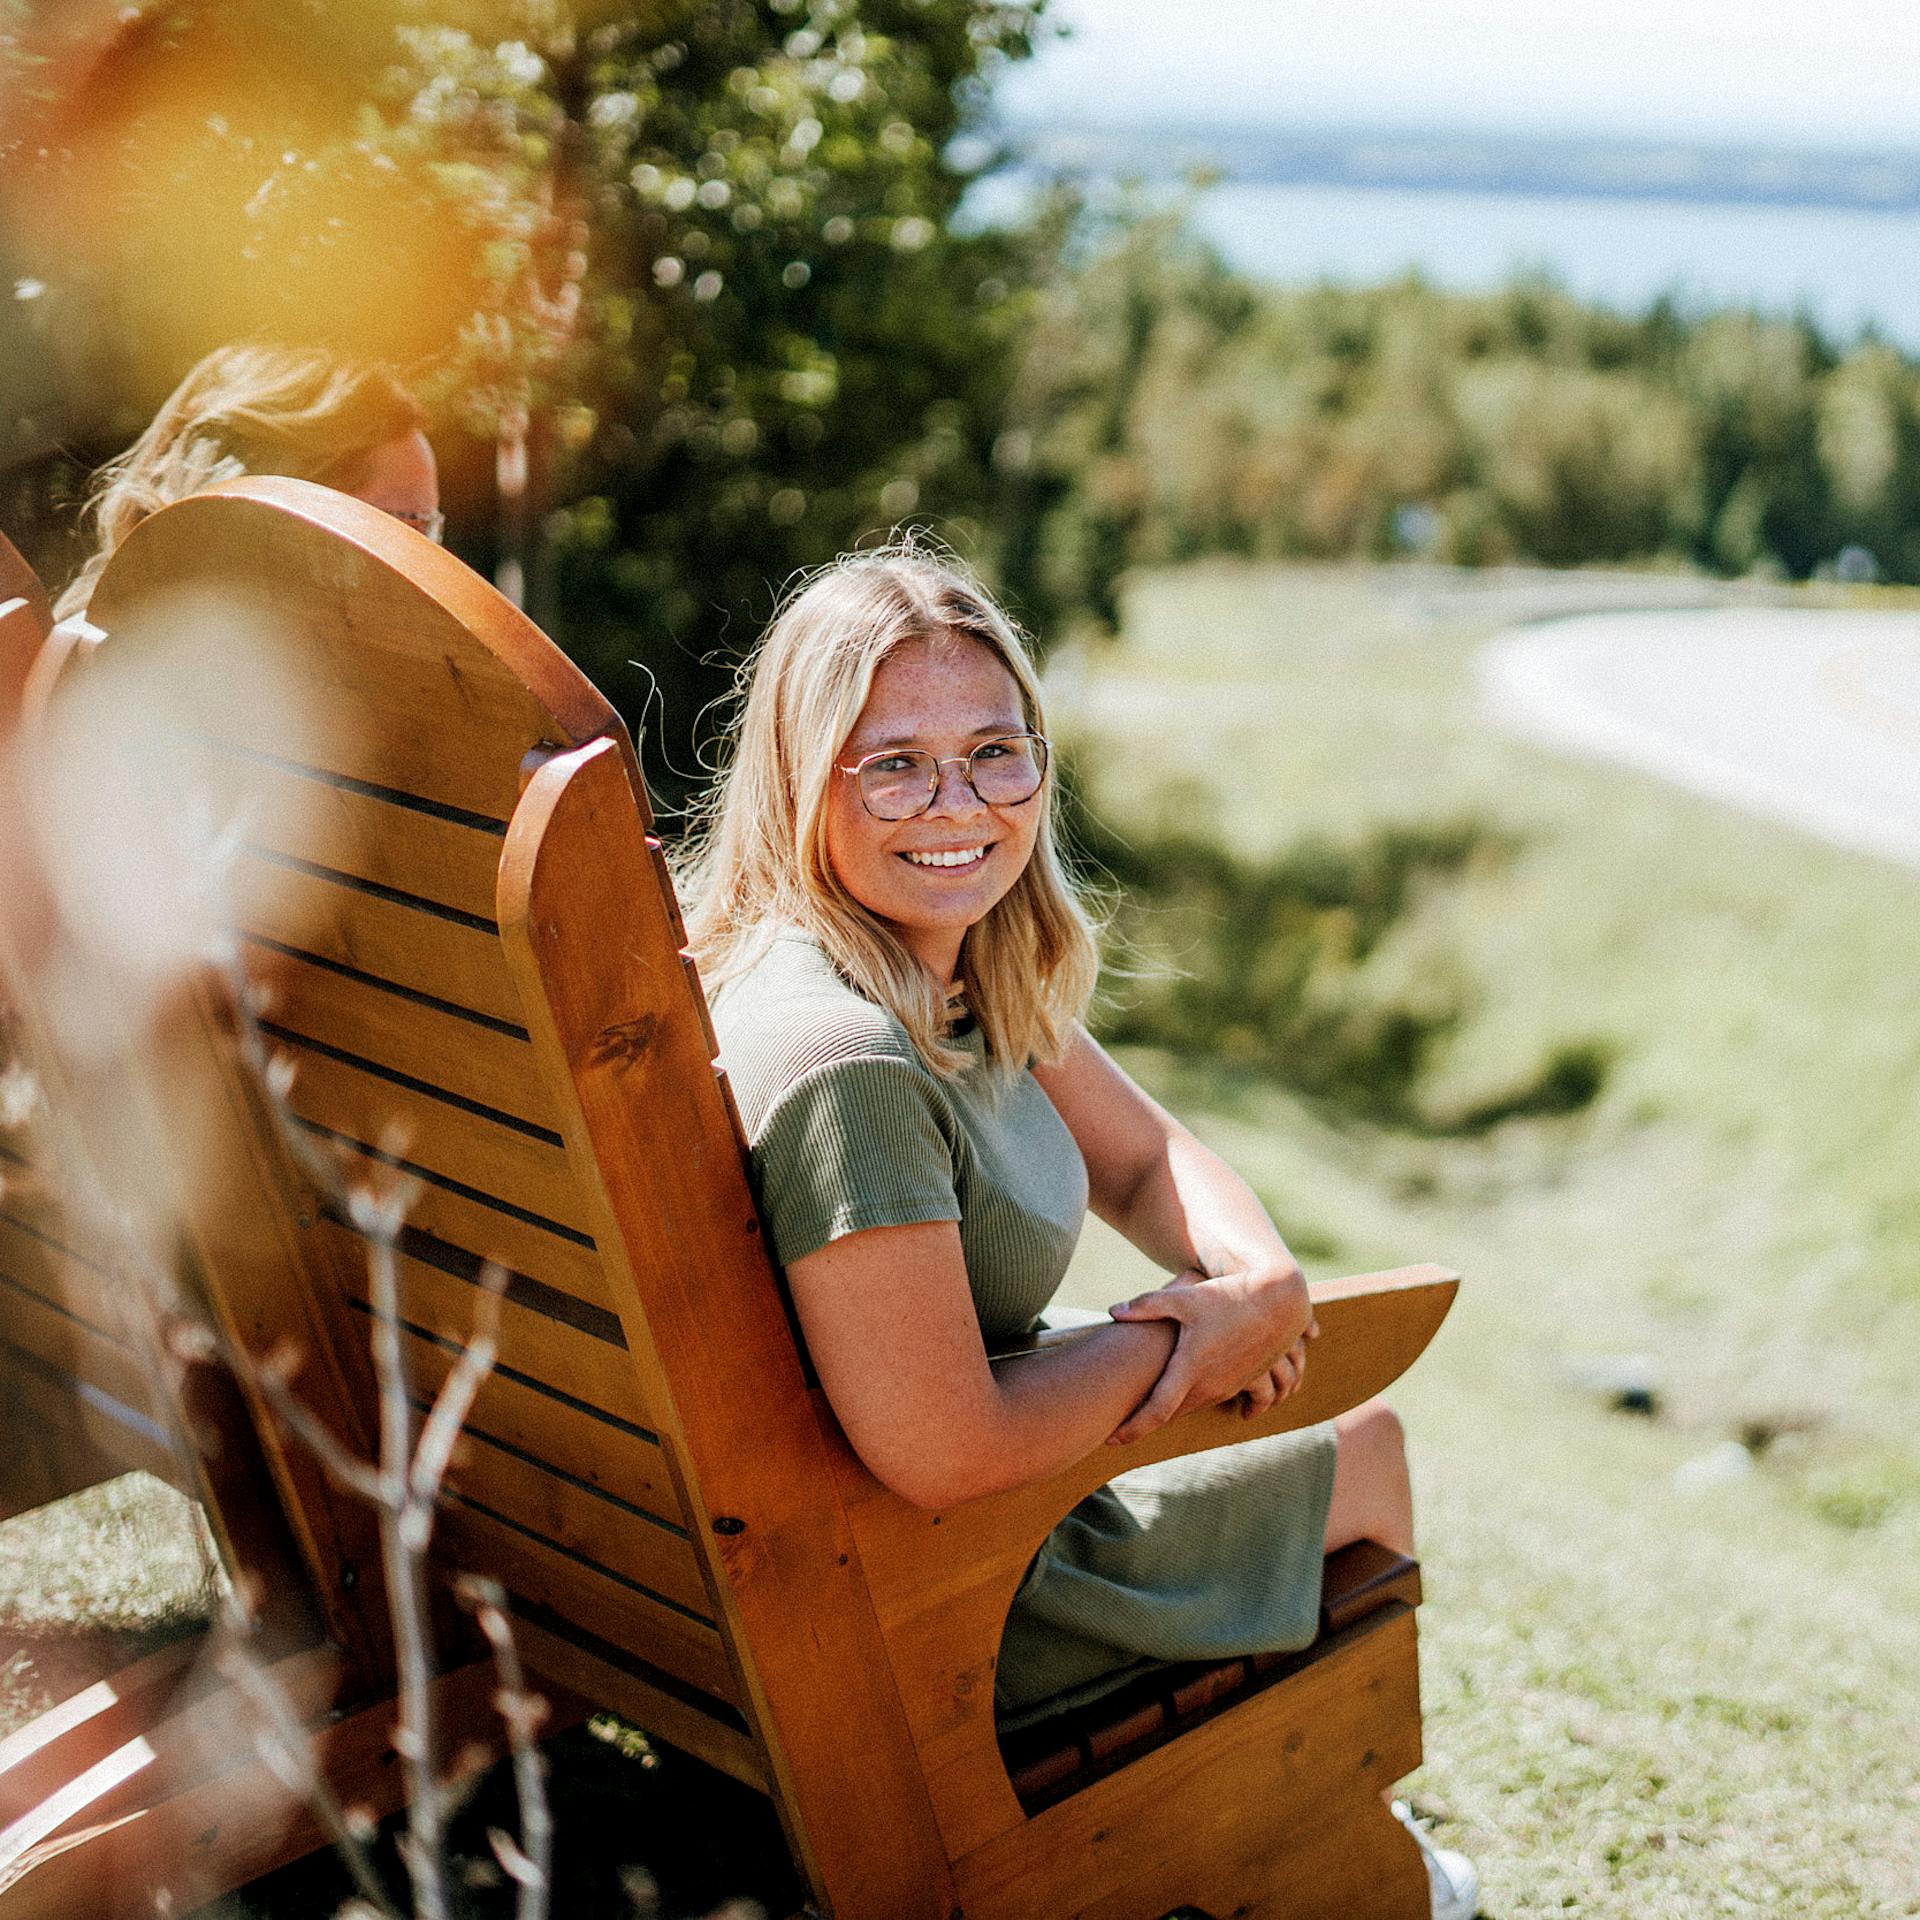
column 252, row 408
column 760, row 862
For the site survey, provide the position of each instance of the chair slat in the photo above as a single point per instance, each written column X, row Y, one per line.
column 591, row 1369
column 71, row 1347
column 610, row 1674
column 464, row 1057
column 531, row 1494
column 605, row 1452
column 526, row 1172
column 32, row 1259
column 409, row 946
column 578, row 1589
column 480, row 1227
column 391, row 839
column 61, row 1439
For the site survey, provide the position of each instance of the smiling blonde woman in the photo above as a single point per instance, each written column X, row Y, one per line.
column 901, row 968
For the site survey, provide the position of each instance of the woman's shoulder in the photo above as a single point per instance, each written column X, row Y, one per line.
column 791, row 1015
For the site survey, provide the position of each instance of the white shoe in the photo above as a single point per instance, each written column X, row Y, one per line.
column 1455, row 1884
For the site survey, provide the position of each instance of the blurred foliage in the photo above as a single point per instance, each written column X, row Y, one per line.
column 1260, row 966
column 690, row 268
column 1177, row 409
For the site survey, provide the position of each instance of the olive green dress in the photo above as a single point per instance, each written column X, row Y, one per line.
column 1198, row 1558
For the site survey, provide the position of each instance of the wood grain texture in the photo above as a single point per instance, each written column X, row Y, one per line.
column 481, row 1226
column 943, row 1583
column 1261, row 1810
column 403, row 944
column 594, row 943
column 214, row 1827
column 525, row 1170
column 372, row 834
column 557, row 1429
column 472, row 1059
column 582, row 1590
column 532, row 1341
column 608, row 1676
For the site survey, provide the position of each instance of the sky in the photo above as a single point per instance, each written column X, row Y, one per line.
column 1773, row 72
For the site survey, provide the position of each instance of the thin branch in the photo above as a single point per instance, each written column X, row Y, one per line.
column 530, row 1863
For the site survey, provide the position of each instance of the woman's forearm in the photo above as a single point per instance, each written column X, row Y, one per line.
column 1190, row 1209
column 1052, row 1406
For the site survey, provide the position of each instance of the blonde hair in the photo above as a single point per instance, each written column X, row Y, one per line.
column 760, row 862
column 252, row 408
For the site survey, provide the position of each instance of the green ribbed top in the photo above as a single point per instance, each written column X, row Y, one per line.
column 1198, row 1558
column 851, row 1129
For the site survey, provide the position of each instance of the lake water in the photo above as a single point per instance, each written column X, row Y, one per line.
column 1847, row 268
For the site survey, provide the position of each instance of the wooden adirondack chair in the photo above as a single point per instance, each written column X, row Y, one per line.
column 78, row 1403
column 143, row 1785
column 469, row 931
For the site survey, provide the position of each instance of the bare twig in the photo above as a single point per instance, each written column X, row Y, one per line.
column 529, row 1863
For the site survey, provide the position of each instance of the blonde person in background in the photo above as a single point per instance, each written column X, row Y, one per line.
column 262, row 409
column 901, row 968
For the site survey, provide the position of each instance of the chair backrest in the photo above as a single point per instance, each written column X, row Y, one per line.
column 25, row 618
column 449, row 890
column 77, row 1391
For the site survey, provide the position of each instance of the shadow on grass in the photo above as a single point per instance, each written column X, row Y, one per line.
column 1258, row 966
column 641, row 1832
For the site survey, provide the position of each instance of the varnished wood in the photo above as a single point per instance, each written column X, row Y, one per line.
column 587, row 1444
column 372, row 834
column 943, row 1583
column 511, row 1163
column 702, row 1308
column 586, row 1365
column 391, row 940
column 25, row 618
column 581, row 1590
column 480, row 1225
column 1224, row 1818
column 222, row 1824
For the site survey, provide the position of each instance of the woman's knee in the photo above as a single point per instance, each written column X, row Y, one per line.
column 1372, row 1494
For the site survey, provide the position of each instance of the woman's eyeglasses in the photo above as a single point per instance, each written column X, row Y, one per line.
column 900, row 782
column 433, row 525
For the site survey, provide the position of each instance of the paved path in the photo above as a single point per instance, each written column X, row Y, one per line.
column 1809, row 715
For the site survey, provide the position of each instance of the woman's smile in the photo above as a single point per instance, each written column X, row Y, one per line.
column 949, row 860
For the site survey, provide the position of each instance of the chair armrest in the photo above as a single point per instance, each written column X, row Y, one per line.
column 1373, row 1326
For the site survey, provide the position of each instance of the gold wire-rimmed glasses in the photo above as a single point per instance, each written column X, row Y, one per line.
column 899, row 782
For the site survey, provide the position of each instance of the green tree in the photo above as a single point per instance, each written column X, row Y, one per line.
column 687, row 273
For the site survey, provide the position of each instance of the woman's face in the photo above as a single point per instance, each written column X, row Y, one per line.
column 945, row 696
column 400, row 477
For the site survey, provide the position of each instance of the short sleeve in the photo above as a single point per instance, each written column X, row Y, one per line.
column 853, row 1144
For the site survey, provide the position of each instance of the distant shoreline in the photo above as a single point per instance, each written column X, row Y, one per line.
column 1877, row 180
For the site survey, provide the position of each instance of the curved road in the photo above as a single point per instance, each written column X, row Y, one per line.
column 1810, row 715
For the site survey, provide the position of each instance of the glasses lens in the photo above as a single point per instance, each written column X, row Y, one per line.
column 896, row 786
column 1005, row 772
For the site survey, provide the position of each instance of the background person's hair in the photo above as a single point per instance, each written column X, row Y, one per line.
column 760, row 861
column 252, row 408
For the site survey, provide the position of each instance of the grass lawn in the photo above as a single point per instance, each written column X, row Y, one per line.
column 1641, row 1702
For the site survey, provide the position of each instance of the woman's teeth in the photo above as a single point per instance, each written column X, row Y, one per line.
column 964, row 858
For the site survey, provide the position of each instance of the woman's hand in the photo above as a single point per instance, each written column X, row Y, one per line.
column 1238, row 1333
